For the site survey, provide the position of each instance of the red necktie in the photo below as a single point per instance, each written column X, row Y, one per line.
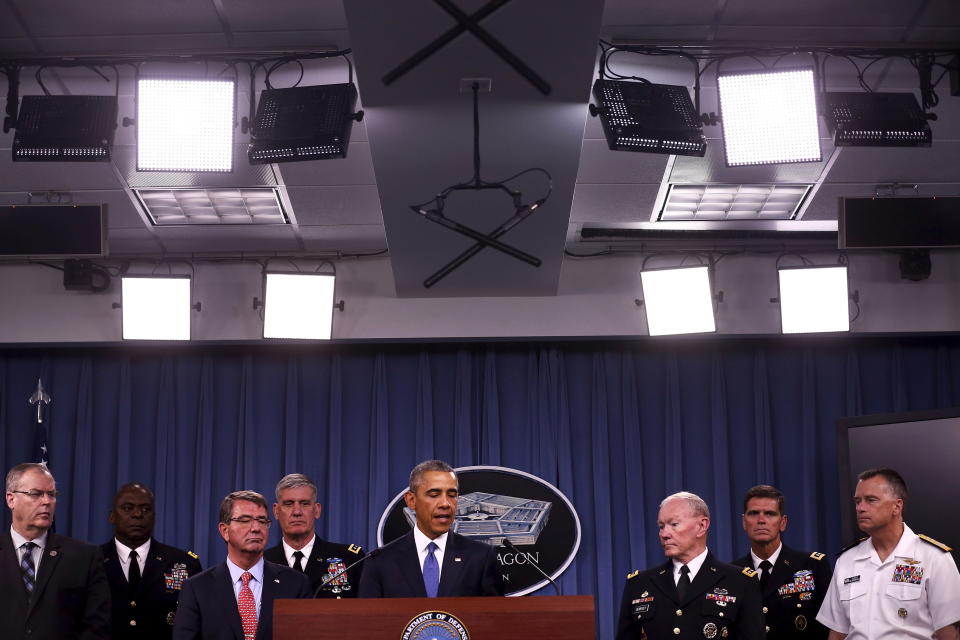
column 248, row 608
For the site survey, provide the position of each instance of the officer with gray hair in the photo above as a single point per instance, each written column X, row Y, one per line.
column 692, row 594
column 300, row 548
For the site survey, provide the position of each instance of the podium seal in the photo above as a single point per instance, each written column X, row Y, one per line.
column 435, row 625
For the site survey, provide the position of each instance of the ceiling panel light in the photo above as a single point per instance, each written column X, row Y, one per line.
column 654, row 118
column 303, row 123
column 155, row 307
column 185, row 125
column 859, row 119
column 769, row 118
column 678, row 300
column 814, row 299
column 65, row 129
column 733, row 201
column 298, row 305
column 172, row 207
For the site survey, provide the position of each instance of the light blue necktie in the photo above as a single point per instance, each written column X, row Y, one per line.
column 431, row 571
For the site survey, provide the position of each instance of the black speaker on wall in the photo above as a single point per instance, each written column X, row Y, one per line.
column 899, row 223
column 53, row 230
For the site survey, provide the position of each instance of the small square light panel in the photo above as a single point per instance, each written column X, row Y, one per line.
column 298, row 305
column 814, row 299
column 155, row 308
column 678, row 300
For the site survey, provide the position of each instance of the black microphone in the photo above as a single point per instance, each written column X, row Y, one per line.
column 369, row 555
column 509, row 545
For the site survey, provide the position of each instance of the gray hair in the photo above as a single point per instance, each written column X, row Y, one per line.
column 294, row 481
column 416, row 476
column 16, row 473
column 695, row 502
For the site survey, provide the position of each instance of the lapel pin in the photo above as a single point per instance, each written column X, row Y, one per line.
column 53, row 553
column 456, row 560
column 277, row 580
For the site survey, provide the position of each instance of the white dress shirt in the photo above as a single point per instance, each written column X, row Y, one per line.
column 123, row 551
column 694, row 566
column 307, row 549
column 256, row 583
column 37, row 552
column 421, row 541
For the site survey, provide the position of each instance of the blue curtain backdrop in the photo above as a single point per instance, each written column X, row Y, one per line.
column 616, row 426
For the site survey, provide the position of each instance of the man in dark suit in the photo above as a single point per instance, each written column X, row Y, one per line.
column 792, row 582
column 53, row 587
column 296, row 509
column 432, row 560
column 692, row 595
column 145, row 576
column 234, row 600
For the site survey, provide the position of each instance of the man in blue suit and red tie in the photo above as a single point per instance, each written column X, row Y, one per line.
column 432, row 561
column 234, row 600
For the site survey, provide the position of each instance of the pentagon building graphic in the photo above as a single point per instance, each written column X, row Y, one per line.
column 491, row 518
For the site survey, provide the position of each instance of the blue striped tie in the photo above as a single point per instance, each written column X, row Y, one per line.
column 26, row 565
column 431, row 571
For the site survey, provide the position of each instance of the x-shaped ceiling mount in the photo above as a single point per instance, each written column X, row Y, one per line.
column 469, row 23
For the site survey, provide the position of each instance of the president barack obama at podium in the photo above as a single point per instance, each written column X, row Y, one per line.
column 432, row 561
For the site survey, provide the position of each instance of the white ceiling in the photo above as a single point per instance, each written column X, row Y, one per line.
column 415, row 138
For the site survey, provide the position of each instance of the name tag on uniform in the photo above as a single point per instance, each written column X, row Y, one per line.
column 851, row 579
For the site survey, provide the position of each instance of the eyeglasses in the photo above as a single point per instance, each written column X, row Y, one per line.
column 248, row 519
column 36, row 494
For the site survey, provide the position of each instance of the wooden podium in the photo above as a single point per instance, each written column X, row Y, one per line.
column 547, row 617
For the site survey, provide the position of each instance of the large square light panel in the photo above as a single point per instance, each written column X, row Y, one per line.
column 814, row 299
column 298, row 305
column 155, row 307
column 769, row 118
column 185, row 125
column 678, row 300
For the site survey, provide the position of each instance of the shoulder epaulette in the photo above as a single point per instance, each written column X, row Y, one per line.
column 193, row 555
column 633, row 575
column 850, row 546
column 816, row 555
column 354, row 548
column 750, row 573
column 936, row 543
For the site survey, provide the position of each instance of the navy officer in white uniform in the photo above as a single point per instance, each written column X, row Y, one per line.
column 894, row 584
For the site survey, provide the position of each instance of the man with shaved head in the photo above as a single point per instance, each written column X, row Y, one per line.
column 145, row 575
column 691, row 595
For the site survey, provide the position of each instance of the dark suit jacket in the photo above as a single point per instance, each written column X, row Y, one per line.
column 721, row 602
column 208, row 606
column 147, row 612
column 469, row 569
column 316, row 565
column 793, row 615
column 71, row 598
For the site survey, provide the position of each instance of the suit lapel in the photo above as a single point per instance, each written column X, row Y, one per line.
column 452, row 566
column 706, row 577
column 407, row 560
column 782, row 572
column 223, row 588
column 10, row 570
column 663, row 579
column 111, row 564
column 48, row 565
column 313, row 563
column 152, row 569
column 267, row 595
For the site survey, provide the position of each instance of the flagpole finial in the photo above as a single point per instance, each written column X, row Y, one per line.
column 39, row 398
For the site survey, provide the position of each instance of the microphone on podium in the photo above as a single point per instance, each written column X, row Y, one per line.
column 509, row 545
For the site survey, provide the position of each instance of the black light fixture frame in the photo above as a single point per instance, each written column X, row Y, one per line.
column 433, row 209
column 296, row 124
